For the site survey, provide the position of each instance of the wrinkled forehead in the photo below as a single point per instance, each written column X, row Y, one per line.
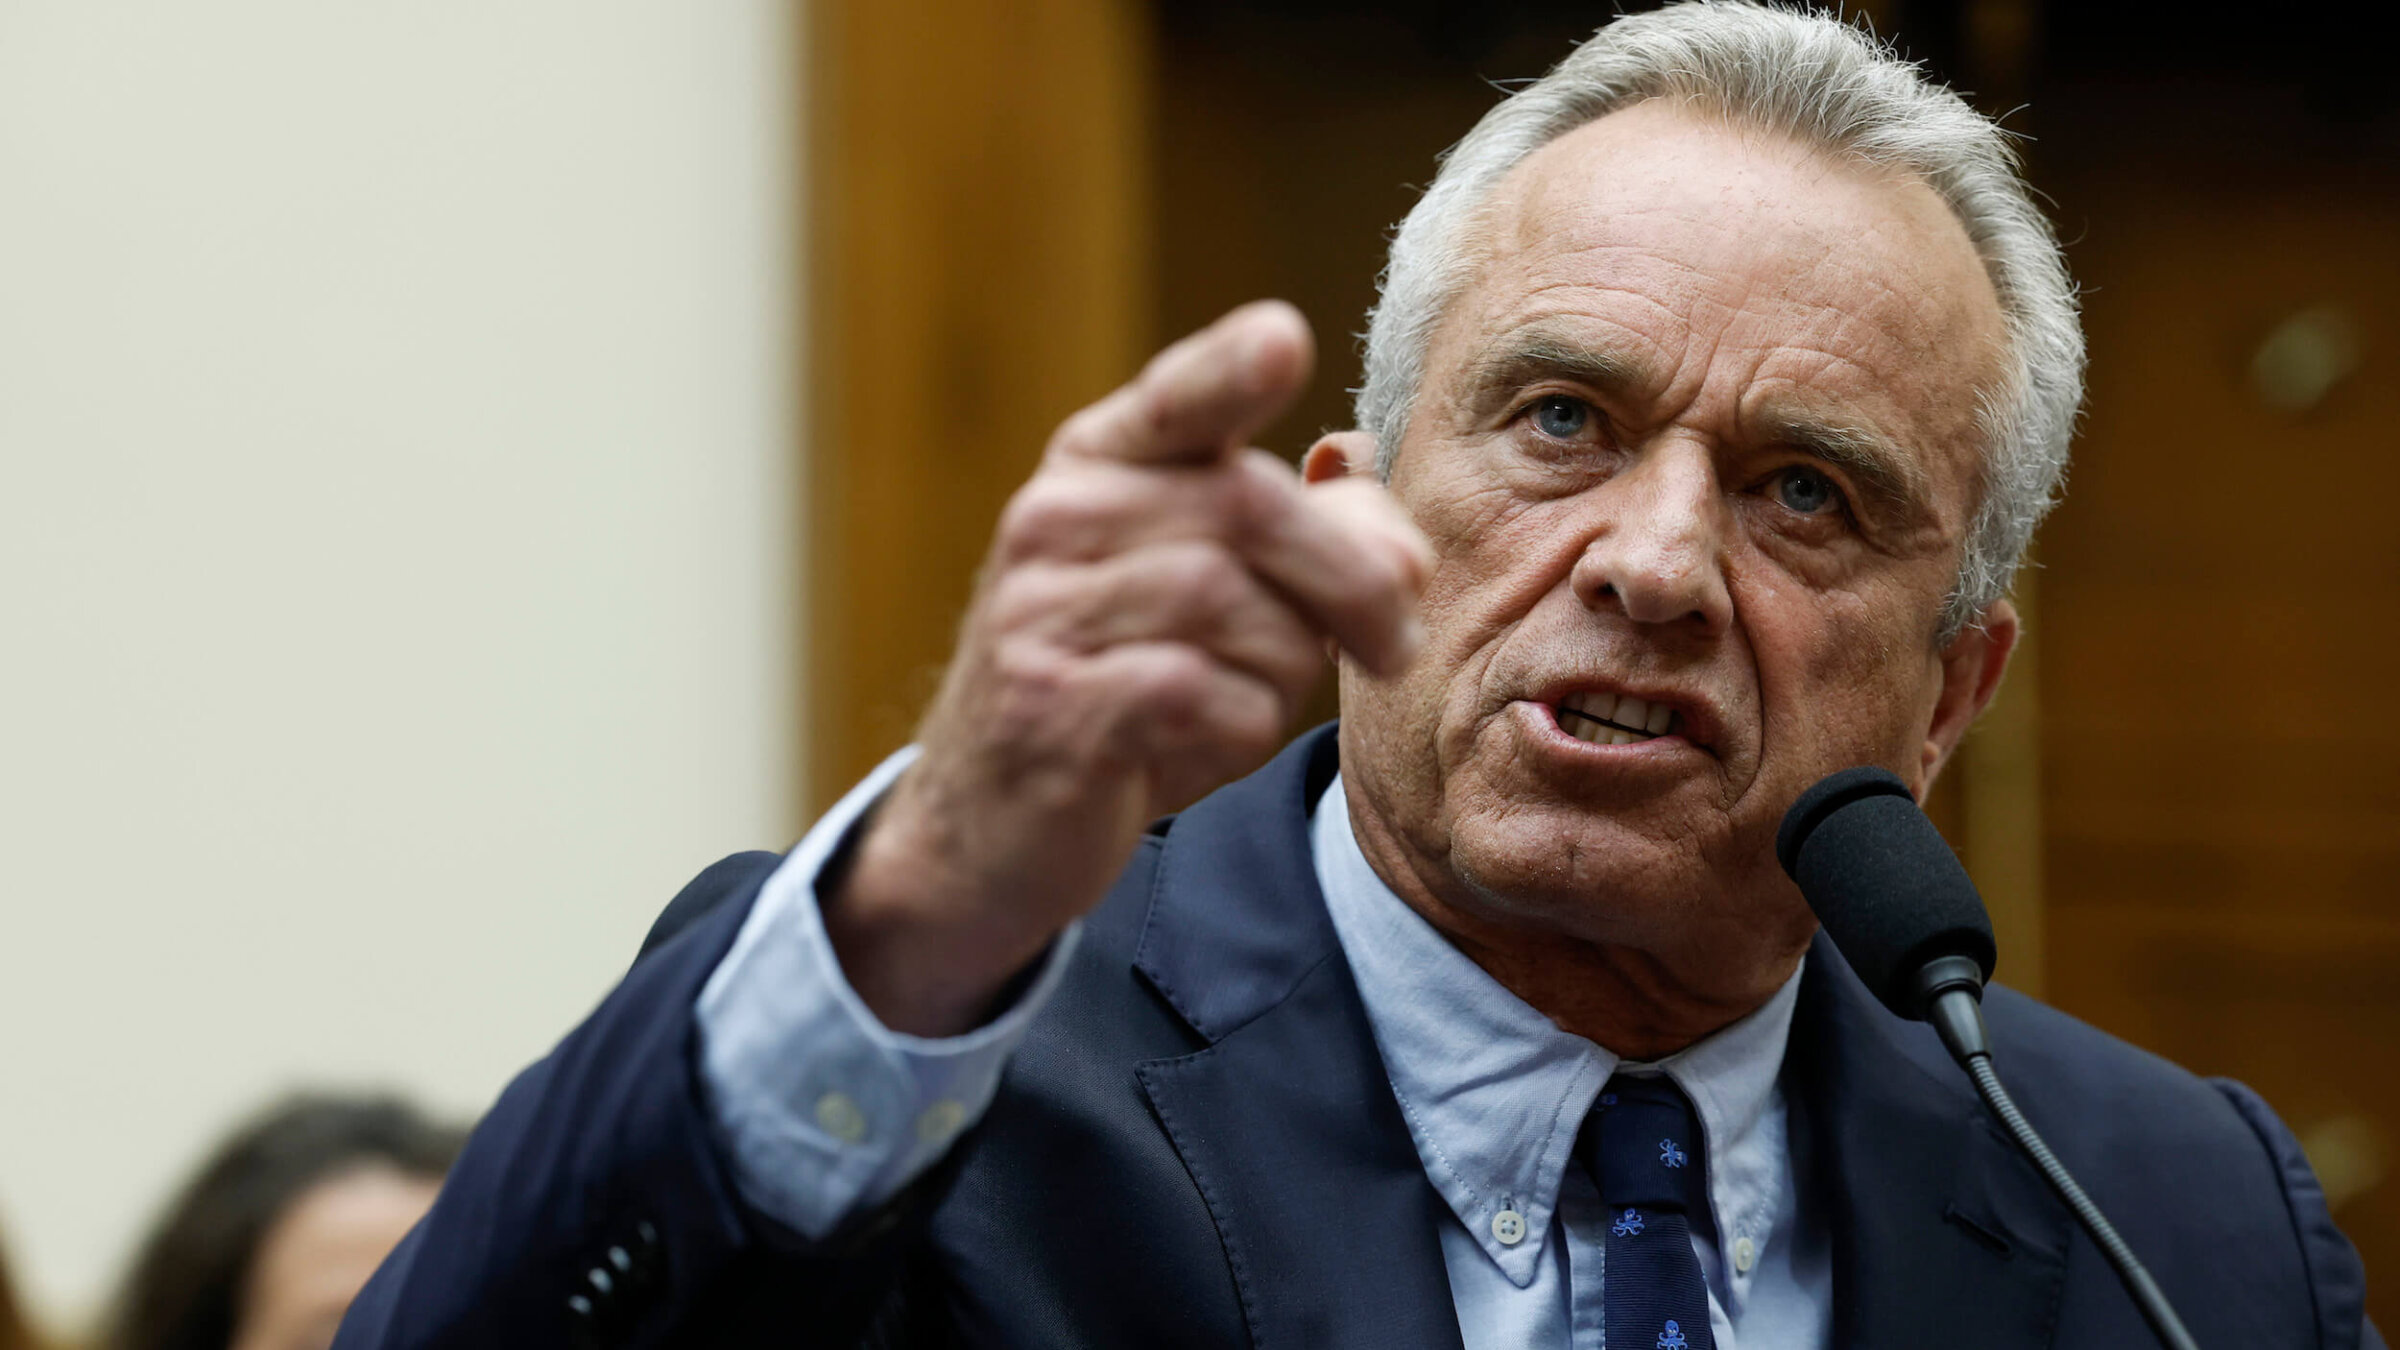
column 1705, row 238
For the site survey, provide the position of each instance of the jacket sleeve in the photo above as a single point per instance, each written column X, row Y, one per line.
column 732, row 1119
column 589, row 1206
column 823, row 1113
column 2337, row 1279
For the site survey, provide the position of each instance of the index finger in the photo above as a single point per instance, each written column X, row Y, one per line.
column 1343, row 550
column 1202, row 398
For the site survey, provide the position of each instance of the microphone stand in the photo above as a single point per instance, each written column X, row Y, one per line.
column 1952, row 990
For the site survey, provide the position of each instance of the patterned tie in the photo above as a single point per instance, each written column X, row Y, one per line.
column 1642, row 1145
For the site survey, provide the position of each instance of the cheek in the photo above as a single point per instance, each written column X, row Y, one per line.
column 1812, row 555
column 1497, row 556
column 1834, row 689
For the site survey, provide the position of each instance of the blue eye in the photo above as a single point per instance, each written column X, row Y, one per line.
column 1806, row 491
column 1562, row 417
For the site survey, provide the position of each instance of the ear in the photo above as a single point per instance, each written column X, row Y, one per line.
column 1337, row 453
column 1971, row 668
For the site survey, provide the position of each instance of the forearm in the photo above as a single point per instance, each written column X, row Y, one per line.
column 731, row 1103
column 824, row 1111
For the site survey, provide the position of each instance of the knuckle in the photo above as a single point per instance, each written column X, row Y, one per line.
column 1020, row 595
column 1026, row 675
column 1174, row 681
column 1027, row 514
column 1168, row 697
column 1048, row 515
column 1032, row 699
column 1214, row 584
column 1085, row 432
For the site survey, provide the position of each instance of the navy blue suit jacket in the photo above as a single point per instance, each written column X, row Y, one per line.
column 1197, row 1146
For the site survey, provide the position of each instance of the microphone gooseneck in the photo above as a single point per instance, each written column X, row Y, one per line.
column 2146, row 1294
column 1902, row 911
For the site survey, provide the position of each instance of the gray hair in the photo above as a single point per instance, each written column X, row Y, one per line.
column 1826, row 84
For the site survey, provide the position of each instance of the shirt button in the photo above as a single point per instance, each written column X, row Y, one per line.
column 940, row 1121
column 1508, row 1226
column 1745, row 1255
column 840, row 1117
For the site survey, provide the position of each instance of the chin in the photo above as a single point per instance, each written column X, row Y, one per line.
column 1610, row 880
column 1593, row 880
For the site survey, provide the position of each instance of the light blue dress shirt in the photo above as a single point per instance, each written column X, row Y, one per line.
column 1494, row 1096
column 825, row 1113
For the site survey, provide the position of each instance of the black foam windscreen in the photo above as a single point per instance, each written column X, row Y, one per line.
column 1883, row 882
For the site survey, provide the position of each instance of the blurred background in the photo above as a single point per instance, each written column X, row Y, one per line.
column 464, row 467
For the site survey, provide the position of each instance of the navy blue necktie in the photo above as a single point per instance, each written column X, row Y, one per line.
column 1642, row 1145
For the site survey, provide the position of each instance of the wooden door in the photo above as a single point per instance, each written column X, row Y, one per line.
column 2221, row 619
column 978, row 198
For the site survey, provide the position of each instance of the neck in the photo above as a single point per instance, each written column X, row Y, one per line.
column 1637, row 1003
column 1643, row 997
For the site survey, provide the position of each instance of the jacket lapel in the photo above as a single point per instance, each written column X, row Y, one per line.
column 1285, row 1119
column 1286, row 1122
column 1943, row 1235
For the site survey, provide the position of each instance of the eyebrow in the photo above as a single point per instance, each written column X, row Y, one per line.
column 1538, row 354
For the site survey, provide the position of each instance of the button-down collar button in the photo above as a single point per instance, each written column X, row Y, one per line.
column 1745, row 1255
column 940, row 1121
column 1508, row 1226
column 840, row 1117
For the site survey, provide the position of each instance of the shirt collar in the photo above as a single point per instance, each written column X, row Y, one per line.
column 1493, row 1092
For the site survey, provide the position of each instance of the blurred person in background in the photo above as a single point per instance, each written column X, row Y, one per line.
column 265, row 1247
column 15, row 1333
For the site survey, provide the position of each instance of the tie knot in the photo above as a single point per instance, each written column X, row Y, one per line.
column 1642, row 1145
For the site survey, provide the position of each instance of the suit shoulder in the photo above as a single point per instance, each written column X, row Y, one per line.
column 2080, row 1068
column 2114, row 1110
column 718, row 882
column 2171, row 1155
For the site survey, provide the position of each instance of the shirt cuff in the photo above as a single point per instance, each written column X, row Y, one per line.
column 824, row 1112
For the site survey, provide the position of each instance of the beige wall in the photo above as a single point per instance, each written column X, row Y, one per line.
column 396, row 581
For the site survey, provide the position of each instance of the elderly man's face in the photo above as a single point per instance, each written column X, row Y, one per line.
column 1700, row 433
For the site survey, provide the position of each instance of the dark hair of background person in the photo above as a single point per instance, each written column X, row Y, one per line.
column 15, row 1333
column 185, row 1288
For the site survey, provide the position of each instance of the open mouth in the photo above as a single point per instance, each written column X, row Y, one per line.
column 1608, row 719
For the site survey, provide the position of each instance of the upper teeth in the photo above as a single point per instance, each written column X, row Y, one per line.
column 1608, row 719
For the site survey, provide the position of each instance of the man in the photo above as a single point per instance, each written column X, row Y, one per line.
column 1714, row 389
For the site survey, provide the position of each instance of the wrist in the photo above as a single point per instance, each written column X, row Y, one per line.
column 915, row 940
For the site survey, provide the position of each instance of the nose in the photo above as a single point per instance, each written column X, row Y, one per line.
column 1657, row 548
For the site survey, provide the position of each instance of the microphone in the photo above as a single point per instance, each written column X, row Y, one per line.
column 1903, row 913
